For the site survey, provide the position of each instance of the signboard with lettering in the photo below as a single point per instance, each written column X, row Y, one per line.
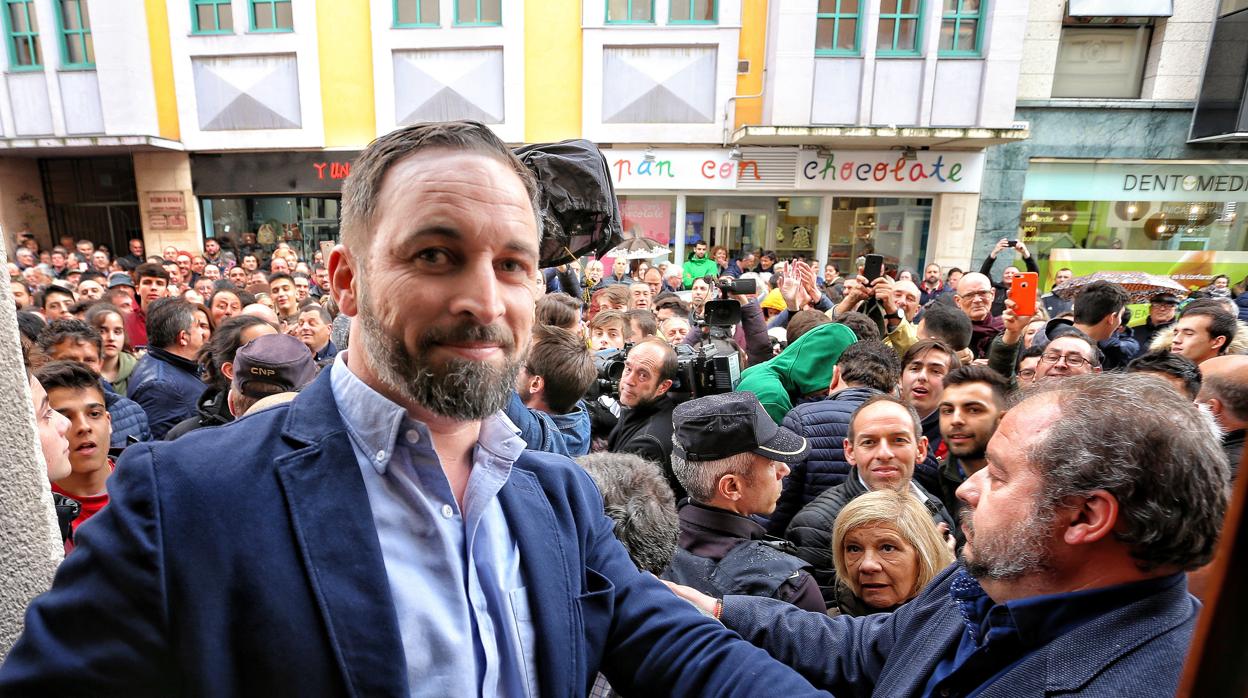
column 677, row 169
column 879, row 171
column 166, row 210
column 1162, row 181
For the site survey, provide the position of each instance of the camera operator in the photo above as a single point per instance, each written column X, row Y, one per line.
column 645, row 426
column 750, row 332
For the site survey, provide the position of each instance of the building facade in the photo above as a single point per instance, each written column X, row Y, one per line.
column 822, row 129
column 1122, row 170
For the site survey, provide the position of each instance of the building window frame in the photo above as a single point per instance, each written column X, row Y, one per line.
column 83, row 32
column 836, row 16
column 957, row 16
column 251, row 13
column 461, row 22
column 898, row 17
column 417, row 24
column 607, row 13
column 672, row 19
column 11, row 37
column 218, row 6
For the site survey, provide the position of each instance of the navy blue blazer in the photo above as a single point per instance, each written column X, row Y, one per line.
column 1137, row 650
column 243, row 560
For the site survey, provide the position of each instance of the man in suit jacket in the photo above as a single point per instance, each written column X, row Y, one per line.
column 1092, row 506
column 385, row 533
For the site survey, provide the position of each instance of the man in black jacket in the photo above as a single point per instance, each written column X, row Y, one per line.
column 865, row 369
column 884, row 443
column 1001, row 288
column 1161, row 312
column 731, row 457
column 645, row 426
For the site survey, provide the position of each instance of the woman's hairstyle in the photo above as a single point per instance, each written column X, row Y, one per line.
column 99, row 311
column 902, row 512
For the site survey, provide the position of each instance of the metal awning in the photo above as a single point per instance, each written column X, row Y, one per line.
column 936, row 138
column 70, row 146
column 1121, row 8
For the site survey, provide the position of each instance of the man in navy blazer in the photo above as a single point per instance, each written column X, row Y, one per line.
column 1100, row 491
column 385, row 534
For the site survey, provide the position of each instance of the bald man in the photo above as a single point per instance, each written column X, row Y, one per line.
column 974, row 298
column 1224, row 390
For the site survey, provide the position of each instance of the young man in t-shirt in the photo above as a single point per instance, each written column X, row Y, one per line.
column 74, row 391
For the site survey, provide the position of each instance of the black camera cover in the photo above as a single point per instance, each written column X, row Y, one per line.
column 580, row 214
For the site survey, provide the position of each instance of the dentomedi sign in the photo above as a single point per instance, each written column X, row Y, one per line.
column 1100, row 181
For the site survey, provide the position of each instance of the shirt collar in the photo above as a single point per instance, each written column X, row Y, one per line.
column 374, row 421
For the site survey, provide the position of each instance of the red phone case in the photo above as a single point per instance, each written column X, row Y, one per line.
column 1023, row 289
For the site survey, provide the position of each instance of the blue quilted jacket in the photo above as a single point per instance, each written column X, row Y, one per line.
column 825, row 424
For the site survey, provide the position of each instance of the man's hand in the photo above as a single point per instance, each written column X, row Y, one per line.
column 1015, row 325
column 1001, row 245
column 792, row 292
column 950, row 542
column 807, row 274
column 883, row 290
column 1022, row 249
column 693, row 596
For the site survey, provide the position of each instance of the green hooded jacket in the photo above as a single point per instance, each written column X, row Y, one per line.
column 698, row 268
column 804, row 367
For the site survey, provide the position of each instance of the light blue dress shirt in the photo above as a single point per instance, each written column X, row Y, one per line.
column 459, row 593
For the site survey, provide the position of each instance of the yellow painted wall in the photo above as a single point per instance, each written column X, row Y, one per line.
column 162, row 69
column 345, row 45
column 752, row 48
column 552, row 70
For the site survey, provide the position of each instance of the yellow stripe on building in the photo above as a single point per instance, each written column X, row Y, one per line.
column 162, row 69
column 552, row 70
column 752, row 48
column 345, row 46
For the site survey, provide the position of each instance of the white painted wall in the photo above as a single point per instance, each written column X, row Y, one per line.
column 724, row 35
column 509, row 36
column 301, row 42
column 123, row 66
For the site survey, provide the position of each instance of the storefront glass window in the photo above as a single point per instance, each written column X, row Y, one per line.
column 255, row 225
column 895, row 228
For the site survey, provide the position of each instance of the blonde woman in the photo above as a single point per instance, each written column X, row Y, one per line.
column 885, row 549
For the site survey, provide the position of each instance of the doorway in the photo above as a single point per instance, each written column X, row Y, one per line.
column 740, row 230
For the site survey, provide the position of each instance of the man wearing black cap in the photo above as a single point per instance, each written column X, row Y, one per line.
column 268, row 365
column 1161, row 310
column 730, row 456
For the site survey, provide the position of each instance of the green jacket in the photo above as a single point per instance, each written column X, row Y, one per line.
column 804, row 367
column 698, row 268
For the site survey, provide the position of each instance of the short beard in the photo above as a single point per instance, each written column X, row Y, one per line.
column 1020, row 551
column 458, row 389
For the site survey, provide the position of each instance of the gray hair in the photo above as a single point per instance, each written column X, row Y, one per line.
column 700, row 478
column 1150, row 448
column 637, row 498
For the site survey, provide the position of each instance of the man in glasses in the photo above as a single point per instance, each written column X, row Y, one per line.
column 974, row 297
column 1072, row 353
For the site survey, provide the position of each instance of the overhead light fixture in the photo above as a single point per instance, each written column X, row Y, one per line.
column 1132, row 208
column 734, row 154
column 649, row 156
column 1064, row 217
column 823, row 153
column 909, row 154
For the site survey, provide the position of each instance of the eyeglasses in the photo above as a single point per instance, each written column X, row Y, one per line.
column 1027, row 373
column 981, row 295
column 1072, row 360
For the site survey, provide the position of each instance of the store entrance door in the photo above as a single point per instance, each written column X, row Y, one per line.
column 740, row 230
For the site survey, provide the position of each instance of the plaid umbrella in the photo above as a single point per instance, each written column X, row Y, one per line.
column 1140, row 286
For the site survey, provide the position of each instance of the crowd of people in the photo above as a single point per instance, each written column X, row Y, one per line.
column 386, row 471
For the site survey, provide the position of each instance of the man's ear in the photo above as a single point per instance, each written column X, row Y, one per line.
column 921, row 448
column 536, row 384
column 663, row 387
column 1218, row 343
column 1088, row 519
column 342, row 280
column 729, row 488
column 848, row 447
column 227, row 369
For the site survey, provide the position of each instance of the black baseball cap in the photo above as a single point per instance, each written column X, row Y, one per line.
column 272, row 363
column 1165, row 298
column 719, row 426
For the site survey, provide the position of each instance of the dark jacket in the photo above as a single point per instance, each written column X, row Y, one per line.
column 212, row 410
column 1144, row 334
column 1242, row 302
column 167, row 387
column 128, row 419
column 1055, row 305
column 951, row 478
column 1136, row 650
column 1118, row 351
column 982, row 334
column 243, row 560
column 811, row 529
column 646, row 430
column 824, row 423
column 721, row 553
column 1001, row 290
column 1233, row 445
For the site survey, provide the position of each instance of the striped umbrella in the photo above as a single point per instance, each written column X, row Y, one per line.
column 1139, row 285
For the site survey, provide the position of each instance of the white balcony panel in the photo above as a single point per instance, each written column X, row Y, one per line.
column 236, row 93
column 449, row 84
column 838, row 89
column 958, row 93
column 658, row 84
column 897, row 93
column 80, row 99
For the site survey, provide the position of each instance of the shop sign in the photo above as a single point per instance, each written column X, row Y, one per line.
column 1098, row 181
column 879, row 171
column 678, row 169
column 166, row 210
